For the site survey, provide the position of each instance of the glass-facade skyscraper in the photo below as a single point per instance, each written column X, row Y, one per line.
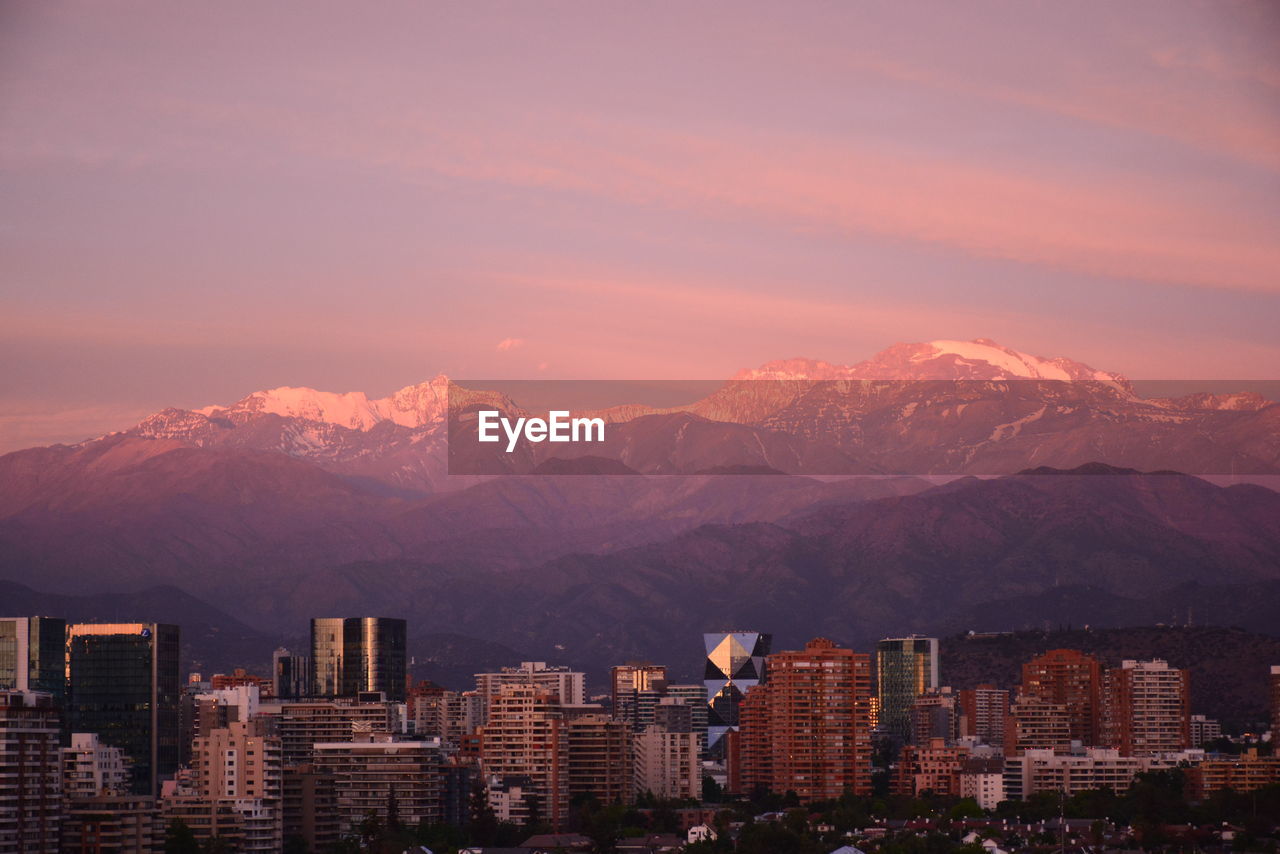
column 905, row 669
column 33, row 655
column 290, row 675
column 352, row 655
column 735, row 663
column 124, row 683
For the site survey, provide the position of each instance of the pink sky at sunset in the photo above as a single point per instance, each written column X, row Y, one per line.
column 207, row 199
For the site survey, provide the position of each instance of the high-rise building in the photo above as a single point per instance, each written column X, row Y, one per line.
column 905, row 669
column 240, row 764
column 936, row 714
column 240, row 760
column 33, row 655
column 310, row 807
column 748, row 749
column 241, row 824
column 112, row 824
column 695, row 697
column 290, row 675
column 525, row 740
column 355, row 655
column 735, row 665
column 1071, row 679
column 629, row 681
column 1146, row 708
column 92, row 768
column 984, row 714
column 98, row 814
column 328, row 657
column 1036, row 724
column 124, row 684
column 303, row 724
column 215, row 709
column 601, row 762
column 30, row 773
column 447, row 715
column 808, row 729
column 567, row 686
column 375, row 772
column 666, row 753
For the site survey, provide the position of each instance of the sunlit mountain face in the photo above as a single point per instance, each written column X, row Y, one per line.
column 941, row 408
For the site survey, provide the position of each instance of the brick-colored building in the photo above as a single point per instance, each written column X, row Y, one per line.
column 1072, row 679
column 808, row 729
column 525, row 739
column 239, row 677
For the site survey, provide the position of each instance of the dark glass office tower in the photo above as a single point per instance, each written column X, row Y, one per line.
column 33, row 655
column 905, row 669
column 290, row 675
column 124, row 684
column 352, row 655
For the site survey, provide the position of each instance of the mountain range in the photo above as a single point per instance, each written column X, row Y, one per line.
column 293, row 503
column 943, row 407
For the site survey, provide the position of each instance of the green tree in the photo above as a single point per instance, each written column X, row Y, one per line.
column 966, row 808
column 178, row 839
column 482, row 820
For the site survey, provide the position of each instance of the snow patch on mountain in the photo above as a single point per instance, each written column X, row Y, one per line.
column 414, row 406
column 1004, row 359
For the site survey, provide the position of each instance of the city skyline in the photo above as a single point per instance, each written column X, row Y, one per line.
column 727, row 428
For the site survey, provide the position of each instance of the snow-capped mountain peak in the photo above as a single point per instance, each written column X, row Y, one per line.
column 980, row 359
column 1007, row 362
column 413, row 406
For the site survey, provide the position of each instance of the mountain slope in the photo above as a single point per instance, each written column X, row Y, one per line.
column 855, row 572
column 130, row 512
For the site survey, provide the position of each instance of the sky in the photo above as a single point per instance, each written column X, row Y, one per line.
column 202, row 200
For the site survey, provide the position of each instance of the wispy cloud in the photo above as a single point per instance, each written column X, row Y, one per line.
column 509, row 344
